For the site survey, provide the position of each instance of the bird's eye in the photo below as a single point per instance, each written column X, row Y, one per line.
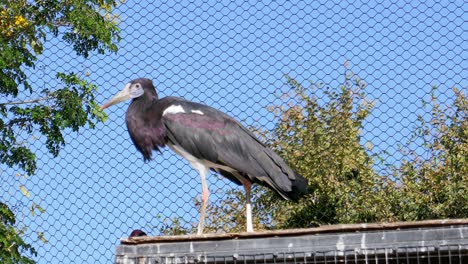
column 137, row 85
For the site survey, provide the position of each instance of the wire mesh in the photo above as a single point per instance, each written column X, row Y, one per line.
column 231, row 55
column 454, row 254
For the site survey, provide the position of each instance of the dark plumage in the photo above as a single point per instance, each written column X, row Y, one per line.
column 137, row 233
column 208, row 139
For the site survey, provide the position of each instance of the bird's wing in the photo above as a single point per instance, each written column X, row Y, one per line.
column 211, row 135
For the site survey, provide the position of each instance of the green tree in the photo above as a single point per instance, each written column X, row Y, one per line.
column 434, row 183
column 87, row 26
column 319, row 138
column 12, row 245
column 25, row 25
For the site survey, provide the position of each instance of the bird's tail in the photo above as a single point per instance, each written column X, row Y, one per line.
column 285, row 181
column 299, row 187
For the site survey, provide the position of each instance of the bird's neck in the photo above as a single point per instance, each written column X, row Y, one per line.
column 144, row 102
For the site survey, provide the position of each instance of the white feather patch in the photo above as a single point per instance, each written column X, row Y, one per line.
column 197, row 112
column 174, row 109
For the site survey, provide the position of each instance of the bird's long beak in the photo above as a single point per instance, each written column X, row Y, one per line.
column 121, row 96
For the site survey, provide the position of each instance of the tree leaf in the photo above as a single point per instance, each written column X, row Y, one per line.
column 33, row 208
column 40, row 235
column 24, row 191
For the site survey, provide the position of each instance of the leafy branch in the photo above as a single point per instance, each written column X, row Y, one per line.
column 32, row 101
column 88, row 27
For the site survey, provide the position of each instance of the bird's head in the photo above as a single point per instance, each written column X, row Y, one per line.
column 137, row 233
column 131, row 90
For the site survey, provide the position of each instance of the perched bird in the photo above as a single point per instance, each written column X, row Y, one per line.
column 208, row 139
column 137, row 233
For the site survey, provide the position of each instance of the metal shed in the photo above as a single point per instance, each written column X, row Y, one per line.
column 436, row 241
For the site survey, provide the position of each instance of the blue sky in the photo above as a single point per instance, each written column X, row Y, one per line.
column 232, row 56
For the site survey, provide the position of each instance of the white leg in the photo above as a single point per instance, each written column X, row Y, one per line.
column 203, row 171
column 248, row 206
column 204, row 195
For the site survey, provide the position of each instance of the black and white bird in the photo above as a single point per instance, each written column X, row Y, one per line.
column 208, row 139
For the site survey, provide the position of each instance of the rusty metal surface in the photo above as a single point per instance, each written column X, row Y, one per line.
column 296, row 232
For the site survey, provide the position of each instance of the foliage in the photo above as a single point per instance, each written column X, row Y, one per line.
column 229, row 216
column 434, row 184
column 12, row 247
column 25, row 26
column 321, row 139
column 85, row 25
column 173, row 227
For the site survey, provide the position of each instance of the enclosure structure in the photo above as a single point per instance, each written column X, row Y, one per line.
column 234, row 56
column 439, row 241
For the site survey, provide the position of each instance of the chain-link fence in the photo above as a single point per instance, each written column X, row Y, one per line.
column 231, row 55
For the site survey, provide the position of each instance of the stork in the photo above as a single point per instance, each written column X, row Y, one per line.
column 208, row 139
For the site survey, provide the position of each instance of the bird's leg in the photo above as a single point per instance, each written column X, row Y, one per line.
column 248, row 205
column 204, row 198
